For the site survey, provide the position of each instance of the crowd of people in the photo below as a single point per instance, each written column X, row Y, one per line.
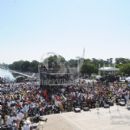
column 20, row 101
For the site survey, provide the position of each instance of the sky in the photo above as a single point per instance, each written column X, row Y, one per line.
column 29, row 29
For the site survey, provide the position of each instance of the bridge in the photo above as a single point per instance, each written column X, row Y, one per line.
column 23, row 74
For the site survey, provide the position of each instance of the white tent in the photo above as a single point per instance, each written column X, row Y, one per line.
column 128, row 79
column 108, row 69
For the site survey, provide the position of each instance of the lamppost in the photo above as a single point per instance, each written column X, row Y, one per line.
column 78, row 65
column 39, row 78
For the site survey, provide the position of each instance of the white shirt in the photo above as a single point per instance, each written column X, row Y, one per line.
column 26, row 127
column 20, row 116
column 10, row 120
column 25, row 108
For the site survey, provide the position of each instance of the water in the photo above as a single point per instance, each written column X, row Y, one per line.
column 6, row 74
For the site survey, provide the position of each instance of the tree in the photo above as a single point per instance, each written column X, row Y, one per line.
column 125, row 69
column 122, row 61
column 100, row 62
column 25, row 66
column 54, row 62
column 17, row 65
column 34, row 66
column 88, row 68
column 73, row 63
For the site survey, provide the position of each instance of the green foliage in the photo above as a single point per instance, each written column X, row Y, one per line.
column 124, row 65
column 54, row 62
column 25, row 66
column 88, row 68
column 34, row 66
column 73, row 63
column 17, row 65
column 122, row 61
column 125, row 69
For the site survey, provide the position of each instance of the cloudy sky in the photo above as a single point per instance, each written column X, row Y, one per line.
column 31, row 28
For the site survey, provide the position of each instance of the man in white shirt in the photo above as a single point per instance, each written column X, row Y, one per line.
column 9, row 120
column 20, row 116
column 26, row 126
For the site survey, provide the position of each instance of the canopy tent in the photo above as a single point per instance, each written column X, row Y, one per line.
column 108, row 69
column 128, row 79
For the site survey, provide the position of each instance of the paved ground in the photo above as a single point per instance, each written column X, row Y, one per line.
column 117, row 118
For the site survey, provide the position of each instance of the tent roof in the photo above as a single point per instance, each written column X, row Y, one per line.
column 108, row 69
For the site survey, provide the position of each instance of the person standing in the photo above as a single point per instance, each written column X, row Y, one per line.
column 26, row 126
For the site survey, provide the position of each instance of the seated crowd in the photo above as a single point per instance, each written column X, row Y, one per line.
column 18, row 102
